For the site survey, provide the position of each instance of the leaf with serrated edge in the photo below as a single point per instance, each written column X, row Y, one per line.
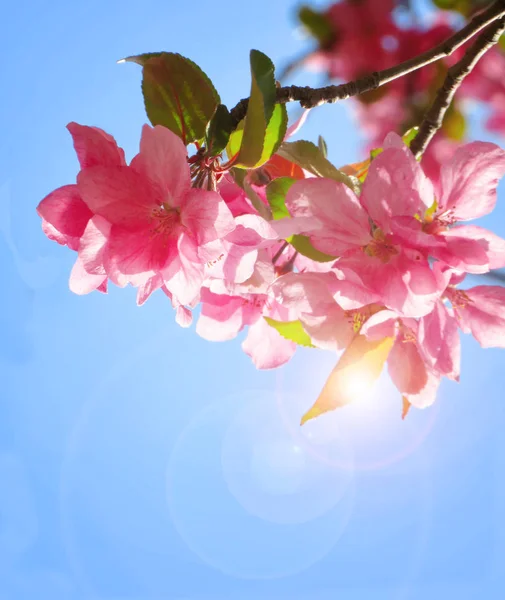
column 177, row 94
column 308, row 156
column 292, row 331
column 259, row 110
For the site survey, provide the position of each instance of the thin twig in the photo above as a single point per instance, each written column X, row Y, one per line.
column 433, row 119
column 310, row 97
column 279, row 252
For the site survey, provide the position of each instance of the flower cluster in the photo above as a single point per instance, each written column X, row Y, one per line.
column 364, row 38
column 387, row 254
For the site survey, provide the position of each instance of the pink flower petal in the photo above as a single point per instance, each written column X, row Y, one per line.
column 484, row 315
column 137, row 252
column 493, row 245
column 183, row 316
column 267, row 348
column 427, row 396
column 184, row 276
column 346, row 224
column 93, row 245
column 406, row 367
column 380, row 325
column 332, row 331
column 65, row 211
column 206, row 216
column 81, row 282
column 119, row 194
column 163, row 160
column 95, row 147
column 396, row 187
column 221, row 317
column 439, row 341
column 470, row 179
column 148, row 287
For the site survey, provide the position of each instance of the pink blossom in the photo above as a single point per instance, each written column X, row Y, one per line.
column 413, row 362
column 66, row 217
column 159, row 224
column 223, row 317
column 400, row 277
column 360, row 31
column 467, row 191
column 480, row 311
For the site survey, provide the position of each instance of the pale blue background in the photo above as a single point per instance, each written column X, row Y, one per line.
column 139, row 461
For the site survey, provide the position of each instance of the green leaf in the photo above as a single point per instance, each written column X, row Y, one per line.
column 292, row 331
column 501, row 43
column 235, row 141
column 238, row 176
column 323, row 146
column 177, row 94
column 276, row 196
column 304, row 246
column 308, row 156
column 454, row 124
column 408, row 136
column 259, row 110
column 219, row 130
column 317, row 24
column 462, row 6
column 374, row 152
column 275, row 133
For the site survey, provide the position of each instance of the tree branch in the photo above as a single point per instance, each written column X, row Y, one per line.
column 433, row 119
column 310, row 97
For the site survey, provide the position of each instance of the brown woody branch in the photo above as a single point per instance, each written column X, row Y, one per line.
column 433, row 119
column 310, row 97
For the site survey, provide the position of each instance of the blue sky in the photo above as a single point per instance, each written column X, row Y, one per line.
column 138, row 461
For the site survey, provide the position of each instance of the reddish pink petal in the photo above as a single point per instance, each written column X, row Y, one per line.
column 65, row 211
column 163, row 160
column 120, row 195
column 206, row 216
column 470, row 179
column 138, row 252
column 267, row 348
column 95, row 147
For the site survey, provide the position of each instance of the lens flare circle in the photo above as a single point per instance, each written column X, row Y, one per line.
column 246, row 497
